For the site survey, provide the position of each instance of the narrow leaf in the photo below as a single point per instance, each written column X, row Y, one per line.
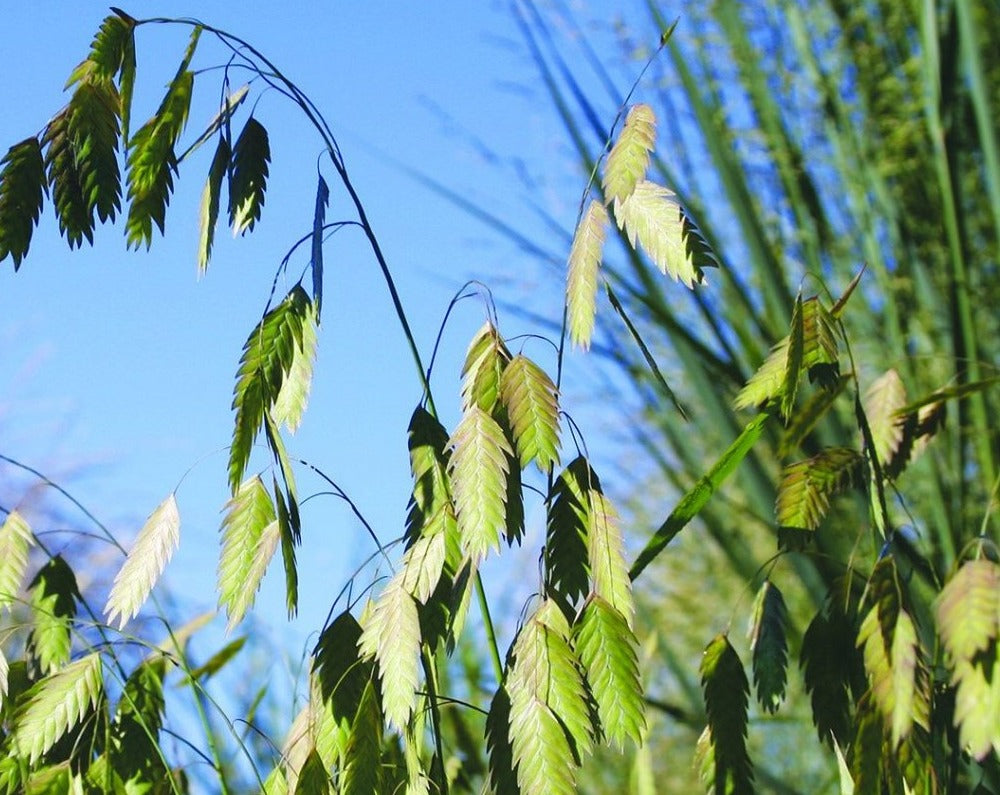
column 221, row 120
column 153, row 548
column 217, row 661
column 949, row 393
column 844, row 772
column 699, row 494
column 654, row 368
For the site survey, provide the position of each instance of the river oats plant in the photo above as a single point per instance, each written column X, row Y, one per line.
column 909, row 681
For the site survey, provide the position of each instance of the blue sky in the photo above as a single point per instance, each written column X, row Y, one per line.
column 120, row 364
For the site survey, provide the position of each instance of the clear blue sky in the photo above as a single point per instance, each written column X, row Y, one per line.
column 120, row 365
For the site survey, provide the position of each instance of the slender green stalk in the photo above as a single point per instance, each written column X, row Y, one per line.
column 491, row 637
column 438, row 774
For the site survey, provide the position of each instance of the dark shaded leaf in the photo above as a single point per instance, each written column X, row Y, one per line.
column 22, row 191
column 53, row 594
column 567, row 563
column 268, row 356
column 726, row 701
column 769, row 646
column 251, row 155
column 319, row 221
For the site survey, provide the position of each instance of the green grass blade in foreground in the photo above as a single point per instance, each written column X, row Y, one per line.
column 695, row 499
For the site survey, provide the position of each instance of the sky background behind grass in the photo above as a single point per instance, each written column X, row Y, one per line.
column 120, row 365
